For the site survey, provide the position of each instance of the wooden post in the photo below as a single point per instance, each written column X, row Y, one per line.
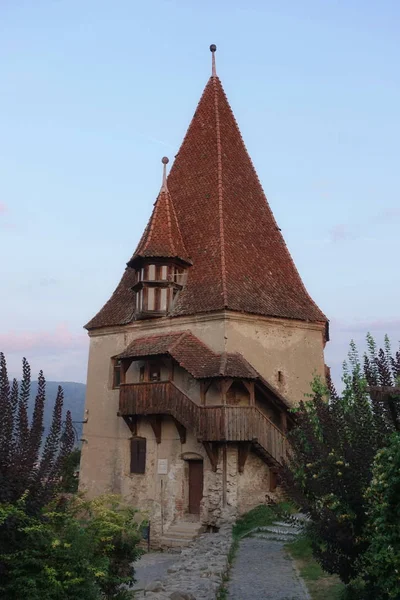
column 212, row 453
column 284, row 422
column 224, row 474
column 155, row 423
column 243, row 452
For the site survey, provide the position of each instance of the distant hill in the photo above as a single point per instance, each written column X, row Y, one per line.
column 74, row 401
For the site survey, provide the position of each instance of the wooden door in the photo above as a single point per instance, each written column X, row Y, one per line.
column 195, row 486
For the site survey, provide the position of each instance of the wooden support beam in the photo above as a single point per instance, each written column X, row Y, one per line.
column 212, row 453
column 155, row 423
column 131, row 421
column 284, row 422
column 204, row 387
column 249, row 385
column 181, row 431
column 125, row 364
column 243, row 453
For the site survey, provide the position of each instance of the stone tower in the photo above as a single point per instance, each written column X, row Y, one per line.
column 206, row 342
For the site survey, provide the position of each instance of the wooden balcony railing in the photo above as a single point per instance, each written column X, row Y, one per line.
column 209, row 423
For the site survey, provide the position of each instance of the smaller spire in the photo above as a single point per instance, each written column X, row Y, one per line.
column 213, row 49
column 165, row 161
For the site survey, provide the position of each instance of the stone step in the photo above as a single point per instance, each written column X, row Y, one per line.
column 174, row 542
column 273, row 537
column 287, row 524
column 277, row 531
column 185, row 527
column 182, row 535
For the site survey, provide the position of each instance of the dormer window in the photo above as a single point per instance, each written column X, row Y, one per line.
column 161, row 260
column 156, row 287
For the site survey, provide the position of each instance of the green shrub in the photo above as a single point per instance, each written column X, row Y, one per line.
column 381, row 564
column 75, row 550
column 334, row 444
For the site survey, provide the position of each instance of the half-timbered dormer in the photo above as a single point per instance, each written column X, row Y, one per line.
column 160, row 260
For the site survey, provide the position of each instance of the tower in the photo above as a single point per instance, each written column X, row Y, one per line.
column 208, row 340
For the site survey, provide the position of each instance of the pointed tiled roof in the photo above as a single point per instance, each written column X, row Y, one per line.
column 162, row 237
column 240, row 260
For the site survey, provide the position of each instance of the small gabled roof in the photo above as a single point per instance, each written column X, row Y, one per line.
column 191, row 354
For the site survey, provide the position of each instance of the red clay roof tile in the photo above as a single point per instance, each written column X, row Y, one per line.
column 240, row 259
column 162, row 237
column 192, row 354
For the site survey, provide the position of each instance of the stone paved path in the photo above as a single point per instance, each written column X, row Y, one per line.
column 153, row 567
column 263, row 571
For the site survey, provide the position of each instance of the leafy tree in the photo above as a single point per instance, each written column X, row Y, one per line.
column 27, row 466
column 380, row 567
column 69, row 476
column 333, row 448
column 75, row 550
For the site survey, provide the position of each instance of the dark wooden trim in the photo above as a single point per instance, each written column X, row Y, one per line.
column 181, row 431
column 131, row 421
column 212, row 453
column 283, row 422
column 243, row 453
column 155, row 422
column 249, row 385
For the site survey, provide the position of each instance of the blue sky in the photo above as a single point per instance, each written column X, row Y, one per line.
column 94, row 93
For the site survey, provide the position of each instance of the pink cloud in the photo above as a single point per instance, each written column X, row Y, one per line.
column 3, row 208
column 59, row 340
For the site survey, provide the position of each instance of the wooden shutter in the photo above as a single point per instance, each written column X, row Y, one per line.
column 138, row 455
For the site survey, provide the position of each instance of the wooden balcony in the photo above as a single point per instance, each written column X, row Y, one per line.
column 209, row 423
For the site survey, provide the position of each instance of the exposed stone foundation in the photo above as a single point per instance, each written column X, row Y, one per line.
column 198, row 572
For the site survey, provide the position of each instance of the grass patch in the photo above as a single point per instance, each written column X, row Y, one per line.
column 261, row 516
column 320, row 585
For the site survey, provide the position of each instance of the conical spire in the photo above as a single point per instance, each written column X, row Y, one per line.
column 240, row 261
column 162, row 237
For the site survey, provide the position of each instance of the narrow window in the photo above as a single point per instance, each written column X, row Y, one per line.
column 280, row 376
column 152, row 272
column 163, row 299
column 150, row 299
column 164, row 272
column 117, row 373
column 157, row 299
column 141, row 373
column 138, row 455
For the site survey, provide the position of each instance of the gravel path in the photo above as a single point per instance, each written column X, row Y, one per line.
column 263, row 571
column 153, row 567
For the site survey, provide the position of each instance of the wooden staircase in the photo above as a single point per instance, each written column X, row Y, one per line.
column 223, row 423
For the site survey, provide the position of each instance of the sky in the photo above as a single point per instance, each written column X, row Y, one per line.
column 94, row 92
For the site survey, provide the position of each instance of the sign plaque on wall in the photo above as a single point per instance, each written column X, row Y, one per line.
column 162, row 468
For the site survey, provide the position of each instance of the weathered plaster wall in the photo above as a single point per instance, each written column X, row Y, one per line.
column 253, row 484
column 105, row 431
column 269, row 345
column 272, row 345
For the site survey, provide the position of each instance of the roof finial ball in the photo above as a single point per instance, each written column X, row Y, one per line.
column 213, row 49
column 165, row 161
